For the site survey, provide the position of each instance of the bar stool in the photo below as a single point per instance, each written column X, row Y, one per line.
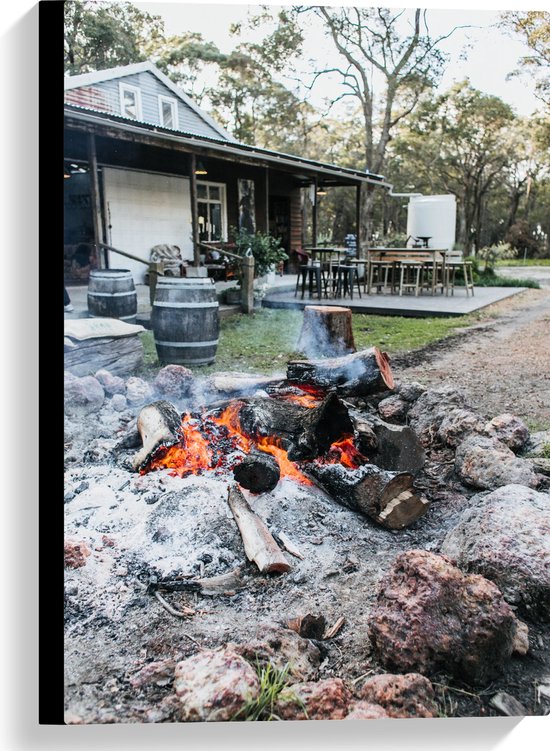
column 346, row 277
column 454, row 260
column 311, row 277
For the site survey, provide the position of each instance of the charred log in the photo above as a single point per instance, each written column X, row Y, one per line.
column 159, row 424
column 258, row 472
column 398, row 448
column 326, row 330
column 358, row 374
column 304, row 432
column 386, row 497
column 259, row 544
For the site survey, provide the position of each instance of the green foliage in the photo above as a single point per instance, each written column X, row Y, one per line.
column 534, row 28
column 266, row 250
column 103, row 35
column 523, row 237
column 493, row 253
column 272, row 681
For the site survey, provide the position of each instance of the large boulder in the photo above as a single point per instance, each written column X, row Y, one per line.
column 505, row 536
column 486, row 463
column 457, row 424
column 173, row 382
column 431, row 408
column 429, row 616
column 409, row 695
column 510, row 430
column 213, row 686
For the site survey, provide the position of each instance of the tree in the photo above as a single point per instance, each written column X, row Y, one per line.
column 386, row 47
column 534, row 28
column 457, row 143
column 103, row 35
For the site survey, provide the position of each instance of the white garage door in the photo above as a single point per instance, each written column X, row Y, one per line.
column 144, row 210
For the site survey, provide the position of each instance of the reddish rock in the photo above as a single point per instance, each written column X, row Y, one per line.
column 281, row 647
column 393, row 408
column 431, row 408
column 174, row 381
column 429, row 616
column 75, row 554
column 314, row 700
column 401, row 696
column 457, row 424
column 364, row 710
column 505, row 536
column 159, row 673
column 111, row 383
column 510, row 430
column 212, row 686
column 486, row 463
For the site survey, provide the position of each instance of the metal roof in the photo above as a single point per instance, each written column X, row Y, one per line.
column 225, row 147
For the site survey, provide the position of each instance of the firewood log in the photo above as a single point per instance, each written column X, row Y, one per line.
column 358, row 374
column 258, row 472
column 304, row 432
column 158, row 424
column 326, row 330
column 259, row 544
column 386, row 497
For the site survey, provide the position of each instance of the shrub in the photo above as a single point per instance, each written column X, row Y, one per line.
column 266, row 250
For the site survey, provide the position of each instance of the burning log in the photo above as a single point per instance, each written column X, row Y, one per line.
column 326, row 330
column 305, row 432
column 386, row 497
column 258, row 472
column 395, row 447
column 259, row 544
column 159, row 424
column 358, row 374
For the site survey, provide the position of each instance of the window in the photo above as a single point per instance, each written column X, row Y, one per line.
column 168, row 112
column 130, row 101
column 212, row 211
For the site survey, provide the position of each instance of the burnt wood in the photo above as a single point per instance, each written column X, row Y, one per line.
column 258, row 472
column 358, row 374
column 386, row 497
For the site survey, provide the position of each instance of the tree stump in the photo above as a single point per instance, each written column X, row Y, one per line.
column 326, row 331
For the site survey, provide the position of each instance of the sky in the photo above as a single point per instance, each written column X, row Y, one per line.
column 490, row 57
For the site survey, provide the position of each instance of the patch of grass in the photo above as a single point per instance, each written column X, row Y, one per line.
column 399, row 334
column 526, row 262
column 272, row 681
column 490, row 279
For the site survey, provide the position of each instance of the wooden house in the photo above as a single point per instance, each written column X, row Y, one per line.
column 144, row 166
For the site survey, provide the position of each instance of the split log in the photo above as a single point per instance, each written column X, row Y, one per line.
column 359, row 374
column 386, row 497
column 304, row 432
column 326, row 331
column 258, row 472
column 159, row 424
column 399, row 448
column 259, row 544
column 308, row 626
column 230, row 384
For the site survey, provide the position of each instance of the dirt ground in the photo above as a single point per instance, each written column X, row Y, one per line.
column 138, row 526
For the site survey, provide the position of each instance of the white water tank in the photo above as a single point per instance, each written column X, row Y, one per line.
column 433, row 217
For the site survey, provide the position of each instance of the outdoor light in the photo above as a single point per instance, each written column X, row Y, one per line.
column 321, row 192
column 201, row 170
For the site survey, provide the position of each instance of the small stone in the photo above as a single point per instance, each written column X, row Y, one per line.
column 521, row 639
column 68, row 497
column 457, row 424
column 213, row 686
column 280, row 647
column 138, row 391
column 159, row 673
column 364, row 710
column 119, row 402
column 108, row 542
column 111, row 383
column 75, row 554
column 83, row 396
column 410, row 392
column 401, row 696
column 510, row 430
column 71, row 589
column 162, row 534
column 486, row 463
column 174, row 381
column 121, row 571
column 393, row 409
column 328, row 699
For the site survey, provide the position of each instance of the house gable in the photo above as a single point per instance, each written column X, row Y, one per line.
column 102, row 91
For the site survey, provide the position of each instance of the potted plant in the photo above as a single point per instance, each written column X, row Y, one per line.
column 266, row 250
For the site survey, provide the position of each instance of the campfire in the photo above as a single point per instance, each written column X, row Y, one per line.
column 300, row 429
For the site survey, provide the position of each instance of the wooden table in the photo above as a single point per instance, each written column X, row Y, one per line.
column 415, row 257
column 328, row 257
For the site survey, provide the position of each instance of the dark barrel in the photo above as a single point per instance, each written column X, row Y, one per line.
column 112, row 294
column 185, row 320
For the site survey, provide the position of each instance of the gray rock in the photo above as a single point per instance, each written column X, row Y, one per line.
column 83, row 396
column 510, row 430
column 430, row 409
column 410, row 392
column 138, row 391
column 505, row 536
column 539, row 444
column 458, row 424
column 486, row 463
column 119, row 402
column 111, row 383
column 394, row 408
column 174, row 381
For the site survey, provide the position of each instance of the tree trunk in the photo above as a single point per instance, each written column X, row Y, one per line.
column 359, row 374
column 326, row 331
column 386, row 497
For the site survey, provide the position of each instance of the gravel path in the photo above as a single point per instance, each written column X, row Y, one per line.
column 503, row 364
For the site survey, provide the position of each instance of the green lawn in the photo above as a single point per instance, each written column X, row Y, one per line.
column 263, row 342
column 527, row 262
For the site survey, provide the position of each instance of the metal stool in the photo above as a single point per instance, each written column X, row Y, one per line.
column 310, row 276
column 346, row 277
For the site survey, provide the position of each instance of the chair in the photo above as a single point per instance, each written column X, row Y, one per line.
column 382, row 271
column 454, row 261
column 310, row 275
column 344, row 279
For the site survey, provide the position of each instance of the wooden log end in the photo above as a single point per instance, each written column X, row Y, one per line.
column 383, row 362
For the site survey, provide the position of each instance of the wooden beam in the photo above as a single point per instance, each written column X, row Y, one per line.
column 314, row 215
column 267, row 200
column 194, row 211
column 358, row 219
column 94, row 195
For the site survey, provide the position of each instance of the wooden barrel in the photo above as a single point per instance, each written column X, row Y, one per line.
column 185, row 320
column 112, row 294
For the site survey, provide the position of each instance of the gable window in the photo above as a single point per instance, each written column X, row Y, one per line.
column 212, row 211
column 168, row 112
column 130, row 101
